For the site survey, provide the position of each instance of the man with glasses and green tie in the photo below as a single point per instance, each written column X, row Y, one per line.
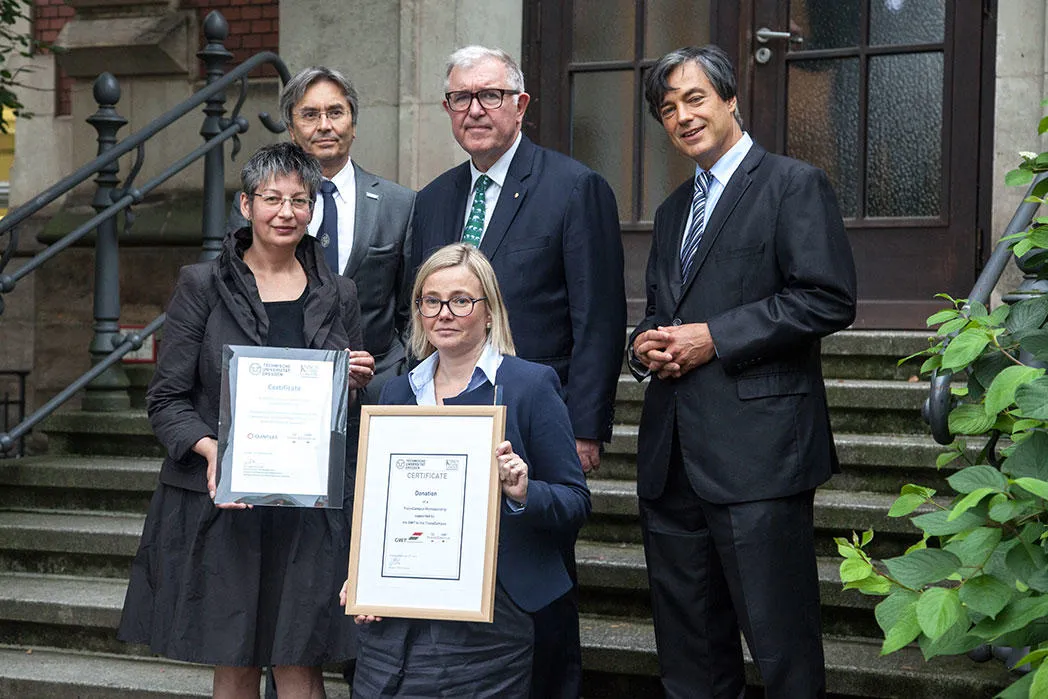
column 550, row 227
column 363, row 221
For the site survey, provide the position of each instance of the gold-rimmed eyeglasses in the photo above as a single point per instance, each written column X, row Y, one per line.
column 272, row 201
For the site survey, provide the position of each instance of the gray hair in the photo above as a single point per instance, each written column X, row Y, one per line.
column 469, row 56
column 296, row 87
column 710, row 59
column 463, row 255
column 280, row 159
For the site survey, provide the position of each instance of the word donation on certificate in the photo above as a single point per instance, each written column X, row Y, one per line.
column 424, row 516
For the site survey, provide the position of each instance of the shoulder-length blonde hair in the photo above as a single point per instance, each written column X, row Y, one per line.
column 461, row 255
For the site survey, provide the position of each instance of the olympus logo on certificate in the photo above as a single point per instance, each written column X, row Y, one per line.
column 424, row 516
column 282, row 426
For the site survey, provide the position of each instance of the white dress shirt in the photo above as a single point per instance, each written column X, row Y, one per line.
column 497, row 173
column 346, row 202
column 722, row 171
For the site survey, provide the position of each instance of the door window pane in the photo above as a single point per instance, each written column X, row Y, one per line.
column 671, row 24
column 822, row 122
column 904, row 146
column 664, row 168
column 824, row 24
column 602, row 130
column 602, row 30
column 899, row 22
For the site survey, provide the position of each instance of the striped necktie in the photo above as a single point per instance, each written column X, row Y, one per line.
column 475, row 224
column 698, row 221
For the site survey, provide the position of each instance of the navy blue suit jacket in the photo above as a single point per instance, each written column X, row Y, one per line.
column 555, row 244
column 530, row 566
column 772, row 275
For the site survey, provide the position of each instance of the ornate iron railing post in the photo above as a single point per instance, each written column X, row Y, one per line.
column 215, row 56
column 107, row 392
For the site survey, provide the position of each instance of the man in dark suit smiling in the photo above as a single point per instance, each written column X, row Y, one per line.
column 550, row 227
column 749, row 267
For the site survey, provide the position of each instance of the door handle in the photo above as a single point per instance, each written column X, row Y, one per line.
column 764, row 35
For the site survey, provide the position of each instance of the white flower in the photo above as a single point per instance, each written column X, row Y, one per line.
column 1027, row 155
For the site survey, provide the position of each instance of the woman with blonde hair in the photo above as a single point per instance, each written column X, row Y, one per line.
column 461, row 332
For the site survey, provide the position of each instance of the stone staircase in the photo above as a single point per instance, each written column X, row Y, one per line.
column 70, row 521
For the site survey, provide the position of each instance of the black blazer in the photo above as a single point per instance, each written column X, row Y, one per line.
column 216, row 303
column 530, row 566
column 381, row 268
column 555, row 244
column 773, row 274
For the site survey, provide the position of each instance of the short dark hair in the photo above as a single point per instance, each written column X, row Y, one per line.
column 283, row 158
column 296, row 87
column 710, row 59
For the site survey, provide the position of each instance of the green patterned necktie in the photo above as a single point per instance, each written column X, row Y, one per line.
column 475, row 225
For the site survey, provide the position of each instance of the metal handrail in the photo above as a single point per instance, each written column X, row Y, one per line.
column 109, row 345
column 937, row 406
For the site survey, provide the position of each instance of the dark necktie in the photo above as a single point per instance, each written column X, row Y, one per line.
column 698, row 216
column 328, row 234
column 475, row 225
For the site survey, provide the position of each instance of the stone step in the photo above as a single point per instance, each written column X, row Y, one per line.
column 49, row 673
column 872, row 354
column 878, row 462
column 614, row 581
column 837, row 513
column 854, row 666
column 60, row 542
column 611, row 645
column 101, row 483
column 856, row 405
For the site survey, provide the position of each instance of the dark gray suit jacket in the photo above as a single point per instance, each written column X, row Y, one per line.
column 772, row 275
column 380, row 266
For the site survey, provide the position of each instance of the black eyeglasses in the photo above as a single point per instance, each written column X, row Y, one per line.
column 489, row 98
column 460, row 306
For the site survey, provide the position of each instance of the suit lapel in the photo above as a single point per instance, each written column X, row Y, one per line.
column 514, row 190
column 365, row 216
column 678, row 217
column 738, row 184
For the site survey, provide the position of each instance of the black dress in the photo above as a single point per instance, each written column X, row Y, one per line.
column 241, row 587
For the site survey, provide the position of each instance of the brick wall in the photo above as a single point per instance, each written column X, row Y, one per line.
column 49, row 16
column 253, row 26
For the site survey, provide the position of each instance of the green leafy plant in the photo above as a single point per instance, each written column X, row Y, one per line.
column 15, row 43
column 979, row 574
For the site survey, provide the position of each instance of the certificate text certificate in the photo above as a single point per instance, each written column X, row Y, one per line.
column 281, row 429
column 424, row 516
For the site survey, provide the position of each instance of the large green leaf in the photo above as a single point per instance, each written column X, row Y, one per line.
column 905, row 504
column 970, row 419
column 1018, row 177
column 1020, row 689
column 985, row 594
column 955, row 641
column 1016, row 615
column 975, row 477
column 1001, row 393
column 1029, row 458
column 1039, row 688
column 1033, row 485
column 894, row 607
column 853, row 569
column 1028, row 314
column 938, row 609
column 937, row 523
column 923, row 567
column 1032, row 399
column 1036, row 343
column 976, row 546
column 968, row 502
column 1028, row 563
column 964, row 348
column 871, row 585
column 897, row 617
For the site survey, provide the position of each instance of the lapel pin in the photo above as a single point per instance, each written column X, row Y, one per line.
column 371, row 195
column 516, row 194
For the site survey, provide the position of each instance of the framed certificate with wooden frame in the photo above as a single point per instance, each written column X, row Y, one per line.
column 424, row 543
